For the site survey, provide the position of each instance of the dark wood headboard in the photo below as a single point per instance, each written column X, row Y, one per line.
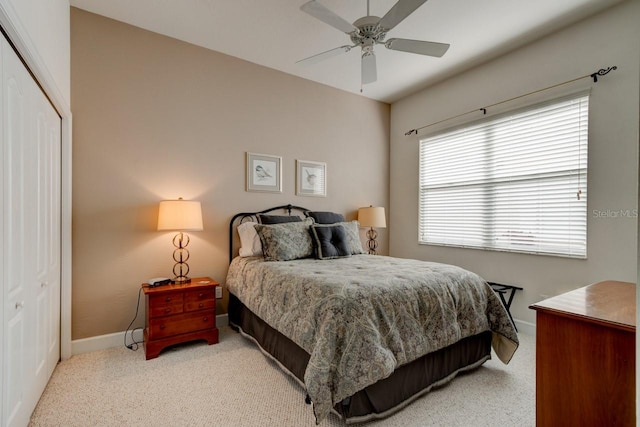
column 239, row 218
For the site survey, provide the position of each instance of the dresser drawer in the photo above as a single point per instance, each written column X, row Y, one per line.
column 199, row 300
column 181, row 323
column 164, row 305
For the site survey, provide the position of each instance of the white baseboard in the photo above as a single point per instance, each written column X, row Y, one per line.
column 526, row 328
column 103, row 342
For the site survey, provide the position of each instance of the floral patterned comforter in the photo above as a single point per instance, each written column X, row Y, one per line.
column 362, row 317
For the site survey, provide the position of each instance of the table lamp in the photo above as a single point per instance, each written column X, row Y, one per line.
column 372, row 217
column 181, row 215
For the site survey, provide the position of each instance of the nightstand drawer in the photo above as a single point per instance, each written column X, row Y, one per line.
column 164, row 305
column 173, row 325
column 199, row 300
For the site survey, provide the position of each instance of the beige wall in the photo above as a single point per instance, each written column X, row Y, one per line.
column 610, row 38
column 156, row 118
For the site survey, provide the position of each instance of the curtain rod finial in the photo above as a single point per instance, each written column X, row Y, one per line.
column 412, row 131
column 602, row 72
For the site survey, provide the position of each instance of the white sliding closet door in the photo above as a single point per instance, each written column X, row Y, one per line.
column 45, row 215
column 30, row 236
column 14, row 100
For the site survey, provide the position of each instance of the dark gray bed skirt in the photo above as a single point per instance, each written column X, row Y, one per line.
column 385, row 397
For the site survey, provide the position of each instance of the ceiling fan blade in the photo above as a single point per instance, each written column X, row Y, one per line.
column 399, row 12
column 314, row 59
column 417, row 46
column 320, row 12
column 369, row 72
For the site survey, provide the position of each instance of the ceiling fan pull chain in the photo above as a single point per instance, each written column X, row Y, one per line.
column 368, row 14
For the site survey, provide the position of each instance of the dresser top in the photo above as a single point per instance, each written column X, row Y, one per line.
column 609, row 302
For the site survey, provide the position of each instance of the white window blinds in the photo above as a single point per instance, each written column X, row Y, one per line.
column 509, row 183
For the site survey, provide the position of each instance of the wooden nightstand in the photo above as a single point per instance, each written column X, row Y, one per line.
column 180, row 313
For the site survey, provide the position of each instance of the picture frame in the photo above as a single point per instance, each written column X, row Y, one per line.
column 264, row 173
column 311, row 178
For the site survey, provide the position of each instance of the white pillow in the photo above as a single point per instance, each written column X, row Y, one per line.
column 250, row 244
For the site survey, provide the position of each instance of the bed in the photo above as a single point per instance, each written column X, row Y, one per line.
column 365, row 335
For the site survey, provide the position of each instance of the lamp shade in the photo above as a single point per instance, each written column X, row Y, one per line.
column 372, row 217
column 180, row 214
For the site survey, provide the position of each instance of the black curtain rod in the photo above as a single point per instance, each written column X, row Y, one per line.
column 594, row 76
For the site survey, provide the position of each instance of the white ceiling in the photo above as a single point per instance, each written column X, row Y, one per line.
column 276, row 34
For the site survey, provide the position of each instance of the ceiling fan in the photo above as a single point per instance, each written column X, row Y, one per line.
column 368, row 31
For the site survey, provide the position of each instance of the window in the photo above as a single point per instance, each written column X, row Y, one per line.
column 513, row 183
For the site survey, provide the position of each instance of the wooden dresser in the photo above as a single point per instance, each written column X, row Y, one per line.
column 585, row 357
column 180, row 313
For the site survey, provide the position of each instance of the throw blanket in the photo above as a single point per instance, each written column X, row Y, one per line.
column 362, row 317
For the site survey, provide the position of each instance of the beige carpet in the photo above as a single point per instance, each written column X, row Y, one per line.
column 233, row 384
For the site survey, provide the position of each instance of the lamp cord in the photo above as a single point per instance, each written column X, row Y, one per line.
column 134, row 344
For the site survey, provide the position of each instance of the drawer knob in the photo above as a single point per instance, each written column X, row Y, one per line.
column 162, row 326
column 200, row 305
column 167, row 310
column 167, row 299
column 206, row 319
column 201, row 295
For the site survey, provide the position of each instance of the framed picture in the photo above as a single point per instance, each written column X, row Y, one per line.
column 264, row 173
column 311, row 178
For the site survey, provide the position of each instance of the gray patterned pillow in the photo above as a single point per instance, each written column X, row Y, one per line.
column 284, row 242
column 352, row 229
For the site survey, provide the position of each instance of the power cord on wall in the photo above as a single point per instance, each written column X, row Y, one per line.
column 134, row 344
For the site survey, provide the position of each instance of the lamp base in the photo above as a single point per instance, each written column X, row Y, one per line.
column 180, row 256
column 372, row 235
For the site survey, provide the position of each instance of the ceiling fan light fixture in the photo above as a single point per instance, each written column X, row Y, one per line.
column 369, row 72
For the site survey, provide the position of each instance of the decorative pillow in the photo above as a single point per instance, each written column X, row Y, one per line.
column 250, row 244
column 325, row 217
column 287, row 241
column 330, row 241
column 277, row 219
column 352, row 230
